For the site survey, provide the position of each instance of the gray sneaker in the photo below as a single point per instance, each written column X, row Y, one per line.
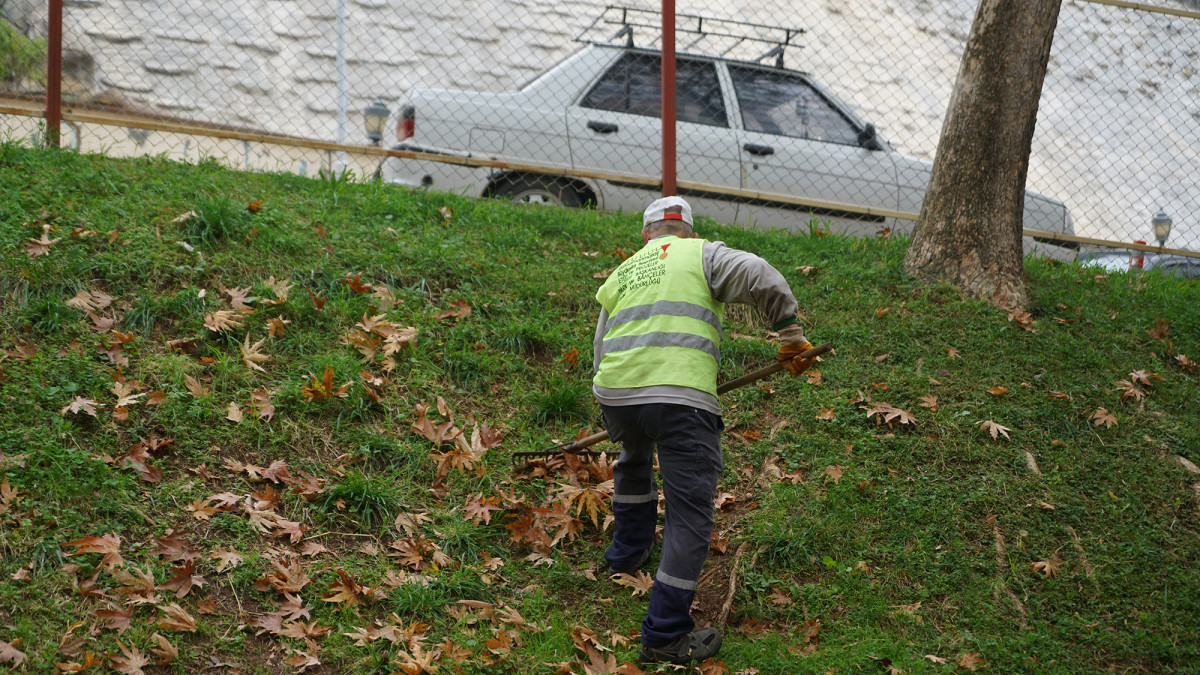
column 693, row 647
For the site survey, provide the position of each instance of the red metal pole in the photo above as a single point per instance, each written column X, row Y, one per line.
column 668, row 97
column 54, row 74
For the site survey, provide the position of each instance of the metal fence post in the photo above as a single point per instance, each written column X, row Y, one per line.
column 668, row 97
column 54, row 75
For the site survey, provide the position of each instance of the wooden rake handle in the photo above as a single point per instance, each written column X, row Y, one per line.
column 578, row 445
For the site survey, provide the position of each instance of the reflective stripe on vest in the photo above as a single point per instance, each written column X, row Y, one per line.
column 663, row 327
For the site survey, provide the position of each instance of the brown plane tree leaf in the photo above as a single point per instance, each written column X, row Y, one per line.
column 1024, row 319
column 135, row 582
column 460, row 311
column 1103, row 416
column 385, row 297
column 90, row 301
column 239, row 299
column 970, row 661
column 1129, row 390
column 81, row 404
column 118, row 619
column 201, row 509
column 252, row 354
column 640, row 583
column 354, row 283
column 1144, row 377
column 888, row 413
column 165, row 651
column 176, row 619
column 194, row 387
column 175, row 548
column 1161, row 329
column 323, row 389
column 995, row 430
column 304, row 659
column 289, row 579
column 345, row 590
column 260, row 403
column 366, row 344
column 479, row 508
column 40, row 246
column 833, row 471
column 1047, row 568
column 109, row 545
column 226, row 558
column 222, row 320
column 279, row 288
column 183, row 580
column 592, row 499
column 132, row 661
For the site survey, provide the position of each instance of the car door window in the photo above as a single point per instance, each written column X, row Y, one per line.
column 634, row 85
column 782, row 103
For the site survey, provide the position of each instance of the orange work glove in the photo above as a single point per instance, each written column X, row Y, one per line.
column 792, row 343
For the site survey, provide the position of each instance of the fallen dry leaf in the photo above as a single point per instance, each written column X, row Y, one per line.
column 1103, row 416
column 176, row 619
column 995, row 430
column 1046, row 567
column 132, row 661
column 251, row 354
column 641, row 583
column 970, row 661
column 222, row 320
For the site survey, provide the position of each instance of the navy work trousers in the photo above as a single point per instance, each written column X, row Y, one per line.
column 689, row 457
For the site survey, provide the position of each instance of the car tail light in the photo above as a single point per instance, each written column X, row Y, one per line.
column 407, row 126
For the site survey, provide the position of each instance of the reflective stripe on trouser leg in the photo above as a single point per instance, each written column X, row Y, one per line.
column 635, row 498
column 689, row 458
column 669, row 615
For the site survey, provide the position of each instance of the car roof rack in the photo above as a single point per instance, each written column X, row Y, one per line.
column 719, row 37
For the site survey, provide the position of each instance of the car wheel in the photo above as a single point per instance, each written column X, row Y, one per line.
column 537, row 190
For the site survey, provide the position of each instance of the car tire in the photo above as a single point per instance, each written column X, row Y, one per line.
column 537, row 190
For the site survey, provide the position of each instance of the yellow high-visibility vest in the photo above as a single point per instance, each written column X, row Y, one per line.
column 664, row 327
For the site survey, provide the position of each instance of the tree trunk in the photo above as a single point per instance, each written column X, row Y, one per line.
column 969, row 229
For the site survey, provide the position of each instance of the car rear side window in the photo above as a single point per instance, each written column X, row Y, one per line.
column 782, row 103
column 634, row 85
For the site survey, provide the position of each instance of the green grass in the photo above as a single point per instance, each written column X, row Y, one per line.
column 901, row 541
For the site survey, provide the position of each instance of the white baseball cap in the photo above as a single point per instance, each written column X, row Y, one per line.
column 658, row 211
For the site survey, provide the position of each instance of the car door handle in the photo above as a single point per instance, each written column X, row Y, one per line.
column 761, row 150
column 602, row 127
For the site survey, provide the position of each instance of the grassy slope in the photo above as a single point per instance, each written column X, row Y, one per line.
column 921, row 506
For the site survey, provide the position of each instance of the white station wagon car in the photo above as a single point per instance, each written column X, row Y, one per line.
column 766, row 132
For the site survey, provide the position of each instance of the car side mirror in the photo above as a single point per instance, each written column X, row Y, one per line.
column 867, row 138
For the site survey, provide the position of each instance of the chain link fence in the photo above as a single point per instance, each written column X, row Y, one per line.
column 789, row 114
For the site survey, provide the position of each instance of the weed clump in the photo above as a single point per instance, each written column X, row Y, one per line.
column 564, row 401
column 215, row 220
column 372, row 499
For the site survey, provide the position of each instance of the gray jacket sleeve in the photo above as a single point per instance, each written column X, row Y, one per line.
column 598, row 339
column 738, row 276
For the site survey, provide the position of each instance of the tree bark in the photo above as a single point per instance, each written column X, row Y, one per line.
column 969, row 229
